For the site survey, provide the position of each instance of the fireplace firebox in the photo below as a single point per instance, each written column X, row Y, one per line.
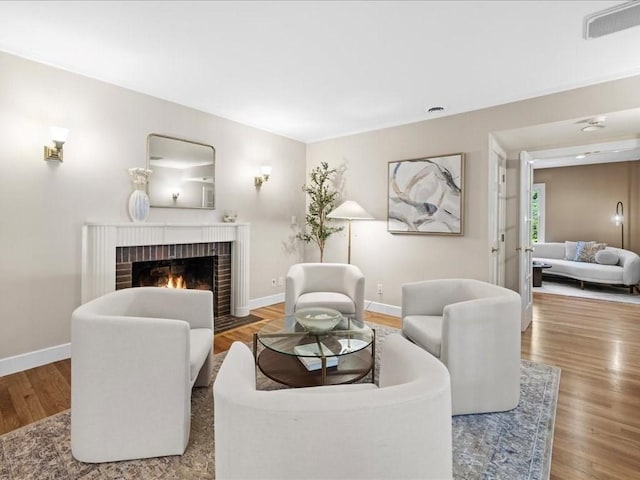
column 194, row 273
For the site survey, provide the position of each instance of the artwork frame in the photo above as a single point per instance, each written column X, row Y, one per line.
column 425, row 195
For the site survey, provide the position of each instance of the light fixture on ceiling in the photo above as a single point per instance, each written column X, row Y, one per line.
column 586, row 154
column 435, row 109
column 593, row 124
column 265, row 172
column 58, row 136
column 592, row 128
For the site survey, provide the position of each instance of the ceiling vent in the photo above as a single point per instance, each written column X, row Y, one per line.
column 612, row 20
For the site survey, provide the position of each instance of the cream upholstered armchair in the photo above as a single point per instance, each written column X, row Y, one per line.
column 473, row 327
column 399, row 429
column 135, row 355
column 332, row 285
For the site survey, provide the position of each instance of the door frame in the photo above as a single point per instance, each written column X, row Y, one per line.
column 525, row 249
column 496, row 210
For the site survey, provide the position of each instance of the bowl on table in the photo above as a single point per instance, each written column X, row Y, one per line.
column 318, row 319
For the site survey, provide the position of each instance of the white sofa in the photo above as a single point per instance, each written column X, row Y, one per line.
column 473, row 327
column 135, row 355
column 400, row 429
column 626, row 271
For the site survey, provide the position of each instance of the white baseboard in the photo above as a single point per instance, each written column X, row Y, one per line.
column 266, row 301
column 29, row 360
column 392, row 310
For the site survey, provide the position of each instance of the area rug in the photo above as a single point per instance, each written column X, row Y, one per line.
column 514, row 445
column 571, row 288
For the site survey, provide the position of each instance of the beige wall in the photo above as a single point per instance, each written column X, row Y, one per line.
column 393, row 259
column 43, row 205
column 581, row 200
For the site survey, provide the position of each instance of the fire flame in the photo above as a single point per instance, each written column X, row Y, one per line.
column 176, row 282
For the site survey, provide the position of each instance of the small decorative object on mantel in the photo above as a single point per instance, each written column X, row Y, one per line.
column 230, row 216
column 139, row 200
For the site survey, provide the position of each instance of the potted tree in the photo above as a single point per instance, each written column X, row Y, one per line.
column 322, row 200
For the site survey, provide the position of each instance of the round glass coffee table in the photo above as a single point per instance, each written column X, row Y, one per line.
column 292, row 356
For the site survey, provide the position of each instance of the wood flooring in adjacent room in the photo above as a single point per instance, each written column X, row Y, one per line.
column 595, row 343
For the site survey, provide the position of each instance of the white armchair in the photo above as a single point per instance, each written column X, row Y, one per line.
column 473, row 327
column 135, row 355
column 331, row 285
column 401, row 429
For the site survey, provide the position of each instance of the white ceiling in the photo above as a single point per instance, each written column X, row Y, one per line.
column 315, row 70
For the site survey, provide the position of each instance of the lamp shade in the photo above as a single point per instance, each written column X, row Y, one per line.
column 618, row 218
column 350, row 210
column 265, row 170
column 59, row 134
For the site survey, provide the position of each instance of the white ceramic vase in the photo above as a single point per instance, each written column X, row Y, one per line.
column 139, row 206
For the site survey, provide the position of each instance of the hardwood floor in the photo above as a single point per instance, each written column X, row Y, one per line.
column 597, row 346
column 595, row 343
column 32, row 395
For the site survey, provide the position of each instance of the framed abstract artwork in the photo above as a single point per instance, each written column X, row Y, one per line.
column 426, row 195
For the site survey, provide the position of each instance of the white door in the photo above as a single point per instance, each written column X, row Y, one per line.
column 525, row 248
column 497, row 208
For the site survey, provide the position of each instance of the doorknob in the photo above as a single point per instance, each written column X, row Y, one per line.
column 528, row 249
column 494, row 249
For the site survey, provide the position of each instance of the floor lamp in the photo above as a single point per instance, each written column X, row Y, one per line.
column 619, row 219
column 349, row 210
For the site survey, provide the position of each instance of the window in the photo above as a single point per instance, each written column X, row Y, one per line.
column 537, row 213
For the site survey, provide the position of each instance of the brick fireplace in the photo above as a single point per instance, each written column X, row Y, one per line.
column 217, row 255
column 108, row 248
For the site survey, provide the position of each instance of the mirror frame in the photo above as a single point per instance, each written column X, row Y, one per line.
column 205, row 193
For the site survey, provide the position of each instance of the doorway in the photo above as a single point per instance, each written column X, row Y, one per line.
column 581, row 195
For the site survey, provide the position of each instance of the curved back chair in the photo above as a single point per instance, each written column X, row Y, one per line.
column 135, row 355
column 399, row 429
column 331, row 285
column 473, row 327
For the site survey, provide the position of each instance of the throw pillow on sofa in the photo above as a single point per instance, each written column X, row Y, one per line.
column 570, row 250
column 607, row 257
column 586, row 251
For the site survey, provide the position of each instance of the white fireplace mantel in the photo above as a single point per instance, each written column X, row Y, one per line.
column 99, row 242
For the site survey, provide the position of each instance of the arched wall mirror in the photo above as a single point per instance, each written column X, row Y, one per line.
column 183, row 173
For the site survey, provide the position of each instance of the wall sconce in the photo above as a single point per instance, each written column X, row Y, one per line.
column 59, row 136
column 618, row 219
column 175, row 195
column 265, row 172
